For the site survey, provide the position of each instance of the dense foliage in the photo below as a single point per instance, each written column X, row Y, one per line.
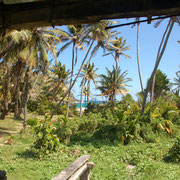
column 119, row 122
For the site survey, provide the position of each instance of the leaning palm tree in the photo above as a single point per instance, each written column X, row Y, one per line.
column 42, row 42
column 74, row 38
column 15, row 41
column 138, row 61
column 160, row 53
column 93, row 38
column 172, row 19
column 114, row 83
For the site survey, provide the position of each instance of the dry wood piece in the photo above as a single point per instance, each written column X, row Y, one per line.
column 79, row 168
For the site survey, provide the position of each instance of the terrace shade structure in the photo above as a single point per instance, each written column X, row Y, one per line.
column 19, row 14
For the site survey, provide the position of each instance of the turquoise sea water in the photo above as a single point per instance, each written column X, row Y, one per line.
column 85, row 104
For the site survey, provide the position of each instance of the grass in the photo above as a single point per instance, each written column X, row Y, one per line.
column 111, row 159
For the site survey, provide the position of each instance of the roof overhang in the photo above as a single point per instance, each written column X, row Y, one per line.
column 28, row 13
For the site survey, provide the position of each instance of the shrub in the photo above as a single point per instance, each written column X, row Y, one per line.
column 110, row 132
column 91, row 107
column 33, row 122
column 174, row 152
column 46, row 141
column 91, row 122
column 65, row 128
column 32, row 105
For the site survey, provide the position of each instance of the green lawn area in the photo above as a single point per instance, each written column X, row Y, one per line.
column 111, row 159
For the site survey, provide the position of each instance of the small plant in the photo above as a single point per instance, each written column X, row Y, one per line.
column 46, row 141
column 174, row 152
column 65, row 128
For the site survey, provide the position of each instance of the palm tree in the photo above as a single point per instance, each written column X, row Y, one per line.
column 177, row 81
column 31, row 48
column 15, row 41
column 58, row 80
column 102, row 35
column 42, row 42
column 94, row 34
column 74, row 38
column 114, row 82
column 117, row 46
column 88, row 74
column 6, row 88
column 138, row 62
column 160, row 53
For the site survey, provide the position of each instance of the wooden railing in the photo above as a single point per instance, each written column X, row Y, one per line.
column 78, row 169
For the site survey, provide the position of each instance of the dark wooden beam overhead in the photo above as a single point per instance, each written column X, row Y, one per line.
column 63, row 12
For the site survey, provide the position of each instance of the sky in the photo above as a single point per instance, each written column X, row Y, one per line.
column 149, row 40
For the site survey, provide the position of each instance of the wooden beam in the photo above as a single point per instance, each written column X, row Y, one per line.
column 64, row 12
column 73, row 171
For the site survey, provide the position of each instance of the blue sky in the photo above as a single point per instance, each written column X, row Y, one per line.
column 149, row 40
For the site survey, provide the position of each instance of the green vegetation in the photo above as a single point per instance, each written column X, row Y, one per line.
column 127, row 139
column 112, row 159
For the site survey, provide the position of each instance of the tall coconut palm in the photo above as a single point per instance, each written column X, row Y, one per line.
column 15, row 41
column 102, row 35
column 138, row 61
column 114, row 82
column 88, row 74
column 42, row 42
column 160, row 53
column 6, row 89
column 116, row 48
column 91, row 43
column 172, row 19
column 75, row 38
column 31, row 48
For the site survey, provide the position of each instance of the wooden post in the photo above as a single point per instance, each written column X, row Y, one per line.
column 3, row 175
column 78, row 169
column 86, row 174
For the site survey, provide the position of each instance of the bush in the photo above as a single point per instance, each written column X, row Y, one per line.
column 91, row 122
column 45, row 106
column 46, row 141
column 174, row 152
column 33, row 122
column 110, row 132
column 32, row 105
column 91, row 107
column 65, row 128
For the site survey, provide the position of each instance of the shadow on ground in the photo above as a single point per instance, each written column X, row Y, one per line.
column 26, row 154
column 90, row 140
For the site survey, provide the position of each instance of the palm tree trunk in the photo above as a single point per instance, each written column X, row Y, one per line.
column 16, row 98
column 34, row 85
column 160, row 46
column 138, row 62
column 21, row 103
column 72, row 73
column 82, row 88
column 26, row 81
column 88, row 91
column 115, row 90
column 6, row 89
column 152, row 90
column 82, row 64
column 29, row 96
column 156, row 67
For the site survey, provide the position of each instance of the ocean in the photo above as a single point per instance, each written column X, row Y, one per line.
column 85, row 104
